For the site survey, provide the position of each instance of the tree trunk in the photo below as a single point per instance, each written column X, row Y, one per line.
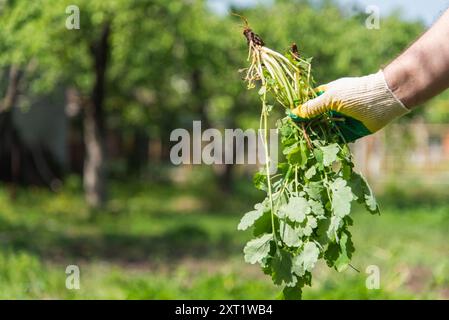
column 94, row 127
column 226, row 178
column 138, row 156
column 12, row 92
column 9, row 141
column 199, row 98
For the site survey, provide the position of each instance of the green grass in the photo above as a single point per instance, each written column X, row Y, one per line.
column 163, row 241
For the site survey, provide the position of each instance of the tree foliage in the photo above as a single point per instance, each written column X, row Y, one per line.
column 171, row 62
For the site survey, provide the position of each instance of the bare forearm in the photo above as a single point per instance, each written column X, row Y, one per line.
column 422, row 71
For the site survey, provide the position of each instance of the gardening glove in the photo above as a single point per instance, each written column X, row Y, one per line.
column 366, row 105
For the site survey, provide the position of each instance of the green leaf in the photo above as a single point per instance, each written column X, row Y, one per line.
column 331, row 254
column 297, row 153
column 306, row 279
column 341, row 197
column 307, row 259
column 311, row 222
column 346, row 153
column 319, row 159
column 356, row 184
column 289, row 235
column 304, row 153
column 263, row 225
column 251, row 217
column 323, row 227
column 298, row 266
column 314, row 189
column 285, row 129
column 310, row 173
column 281, row 266
column 370, row 199
column 334, row 226
column 316, row 207
column 307, row 231
column 260, row 181
column 309, row 226
column 257, row 249
column 330, row 153
column 346, row 251
column 363, row 192
column 296, row 209
column 291, row 149
column 291, row 293
column 339, row 254
column 310, row 255
column 346, row 171
column 371, row 202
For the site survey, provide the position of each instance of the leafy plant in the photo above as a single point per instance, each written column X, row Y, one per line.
column 305, row 215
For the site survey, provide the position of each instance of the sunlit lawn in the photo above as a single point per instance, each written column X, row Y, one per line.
column 159, row 241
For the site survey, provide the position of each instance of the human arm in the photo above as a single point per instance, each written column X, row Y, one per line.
column 369, row 103
column 422, row 71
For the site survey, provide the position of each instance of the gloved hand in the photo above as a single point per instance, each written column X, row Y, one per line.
column 366, row 104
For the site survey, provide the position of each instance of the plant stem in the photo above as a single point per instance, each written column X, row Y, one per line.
column 306, row 136
column 267, row 165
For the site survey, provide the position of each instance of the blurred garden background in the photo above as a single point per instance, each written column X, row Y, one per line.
column 85, row 172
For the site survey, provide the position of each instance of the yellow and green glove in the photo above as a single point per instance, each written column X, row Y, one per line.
column 366, row 103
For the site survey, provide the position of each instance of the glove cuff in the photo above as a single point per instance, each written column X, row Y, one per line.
column 379, row 103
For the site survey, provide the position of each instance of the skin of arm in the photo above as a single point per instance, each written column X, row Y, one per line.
column 371, row 102
column 422, row 71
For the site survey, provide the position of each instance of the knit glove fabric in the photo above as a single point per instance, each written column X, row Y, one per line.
column 366, row 105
